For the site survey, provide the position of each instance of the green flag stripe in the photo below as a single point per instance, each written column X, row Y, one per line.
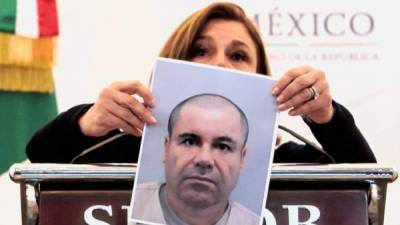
column 21, row 114
column 8, row 11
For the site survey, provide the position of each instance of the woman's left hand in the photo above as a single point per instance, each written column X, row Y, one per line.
column 305, row 91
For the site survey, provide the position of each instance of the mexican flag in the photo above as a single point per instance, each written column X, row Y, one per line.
column 28, row 40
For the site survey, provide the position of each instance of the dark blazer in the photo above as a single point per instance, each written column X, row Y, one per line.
column 61, row 140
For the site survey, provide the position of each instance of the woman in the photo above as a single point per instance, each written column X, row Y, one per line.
column 220, row 35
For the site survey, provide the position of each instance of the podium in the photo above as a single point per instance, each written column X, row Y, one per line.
column 345, row 194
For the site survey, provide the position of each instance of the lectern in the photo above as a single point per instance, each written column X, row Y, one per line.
column 337, row 194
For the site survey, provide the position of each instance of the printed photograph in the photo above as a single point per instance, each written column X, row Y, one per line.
column 209, row 155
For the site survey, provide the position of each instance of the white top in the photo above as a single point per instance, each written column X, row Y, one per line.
column 148, row 209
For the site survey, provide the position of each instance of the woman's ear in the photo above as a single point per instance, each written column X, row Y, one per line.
column 278, row 139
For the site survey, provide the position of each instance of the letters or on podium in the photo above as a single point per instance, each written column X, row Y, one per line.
column 299, row 194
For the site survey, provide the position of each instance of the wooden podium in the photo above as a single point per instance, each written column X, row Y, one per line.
column 337, row 194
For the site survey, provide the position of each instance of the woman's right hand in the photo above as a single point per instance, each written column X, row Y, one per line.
column 116, row 108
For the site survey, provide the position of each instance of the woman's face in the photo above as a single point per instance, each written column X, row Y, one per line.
column 225, row 43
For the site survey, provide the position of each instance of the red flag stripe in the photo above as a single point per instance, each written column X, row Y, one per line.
column 48, row 19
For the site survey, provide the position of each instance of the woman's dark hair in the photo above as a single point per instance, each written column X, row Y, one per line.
column 180, row 43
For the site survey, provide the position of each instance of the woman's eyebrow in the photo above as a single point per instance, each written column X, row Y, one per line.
column 238, row 43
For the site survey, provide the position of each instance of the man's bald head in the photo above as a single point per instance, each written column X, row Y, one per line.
column 208, row 101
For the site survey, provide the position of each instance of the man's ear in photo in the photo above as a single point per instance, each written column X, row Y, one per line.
column 242, row 158
column 166, row 144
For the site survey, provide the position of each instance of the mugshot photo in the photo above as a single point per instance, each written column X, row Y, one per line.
column 205, row 151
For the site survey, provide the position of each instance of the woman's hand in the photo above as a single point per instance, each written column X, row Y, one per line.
column 116, row 108
column 294, row 91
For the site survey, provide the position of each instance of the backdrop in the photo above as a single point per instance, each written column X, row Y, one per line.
column 355, row 42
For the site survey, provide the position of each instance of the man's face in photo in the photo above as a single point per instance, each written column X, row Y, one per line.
column 204, row 154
